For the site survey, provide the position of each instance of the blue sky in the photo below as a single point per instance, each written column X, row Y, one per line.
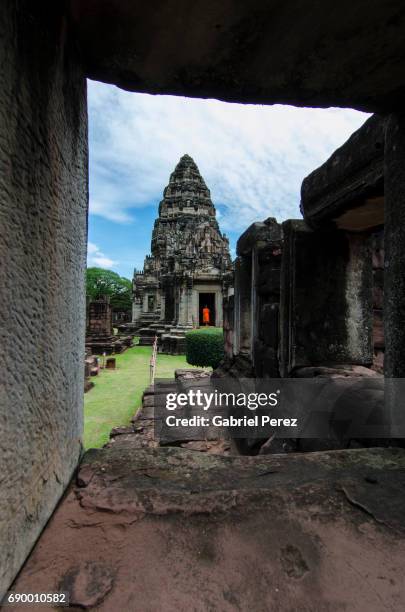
column 253, row 159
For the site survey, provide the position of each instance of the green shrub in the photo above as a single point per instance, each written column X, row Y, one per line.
column 205, row 346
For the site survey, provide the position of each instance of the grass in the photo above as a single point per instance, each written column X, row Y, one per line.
column 206, row 329
column 117, row 394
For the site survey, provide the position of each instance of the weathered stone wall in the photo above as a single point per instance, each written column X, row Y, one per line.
column 267, row 287
column 100, row 317
column 243, row 304
column 326, row 298
column 377, row 245
column 229, row 319
column 394, row 266
column 43, row 205
column 251, row 319
column 394, row 263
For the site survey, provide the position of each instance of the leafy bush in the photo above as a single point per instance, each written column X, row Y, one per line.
column 205, row 346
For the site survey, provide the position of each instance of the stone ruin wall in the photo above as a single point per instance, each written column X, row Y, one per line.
column 267, row 285
column 378, row 300
column 345, row 296
column 43, row 210
column 100, row 318
column 315, row 297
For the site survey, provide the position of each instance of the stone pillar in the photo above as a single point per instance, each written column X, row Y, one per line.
column 267, row 288
column 253, row 301
column 189, row 302
column 176, row 304
column 182, row 318
column 190, row 308
column 195, row 307
column 229, row 324
column 43, row 235
column 258, row 238
column 219, row 309
column 394, row 277
column 378, row 299
column 136, row 309
column 243, row 295
column 326, row 298
column 236, row 309
column 162, row 306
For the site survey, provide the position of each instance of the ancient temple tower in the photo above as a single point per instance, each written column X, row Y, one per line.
column 190, row 267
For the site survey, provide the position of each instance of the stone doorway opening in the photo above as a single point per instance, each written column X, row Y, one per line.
column 207, row 300
column 151, row 303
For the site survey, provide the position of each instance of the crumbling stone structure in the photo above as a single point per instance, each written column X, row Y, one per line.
column 347, row 193
column 91, row 368
column 47, row 49
column 190, row 265
column 251, row 330
column 258, row 296
column 99, row 334
column 323, row 275
column 309, row 294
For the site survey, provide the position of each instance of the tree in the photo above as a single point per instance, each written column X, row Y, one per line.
column 106, row 282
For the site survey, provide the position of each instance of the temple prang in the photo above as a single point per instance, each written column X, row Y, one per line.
column 189, row 267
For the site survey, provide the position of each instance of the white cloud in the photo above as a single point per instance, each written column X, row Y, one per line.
column 95, row 258
column 253, row 158
column 91, row 248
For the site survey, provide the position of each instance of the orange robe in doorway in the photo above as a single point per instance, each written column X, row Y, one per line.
column 206, row 316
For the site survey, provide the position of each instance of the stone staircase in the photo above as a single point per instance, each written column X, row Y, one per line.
column 171, row 339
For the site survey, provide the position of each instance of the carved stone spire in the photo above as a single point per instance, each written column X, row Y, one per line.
column 186, row 192
column 186, row 231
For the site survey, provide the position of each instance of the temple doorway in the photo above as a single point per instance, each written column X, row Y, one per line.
column 151, row 303
column 207, row 300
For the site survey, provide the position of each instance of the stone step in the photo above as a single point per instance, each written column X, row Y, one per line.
column 145, row 341
column 147, row 331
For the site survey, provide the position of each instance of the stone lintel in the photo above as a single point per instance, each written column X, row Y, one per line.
column 351, row 179
column 340, row 55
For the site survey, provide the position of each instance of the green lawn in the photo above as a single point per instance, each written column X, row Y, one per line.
column 117, row 394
